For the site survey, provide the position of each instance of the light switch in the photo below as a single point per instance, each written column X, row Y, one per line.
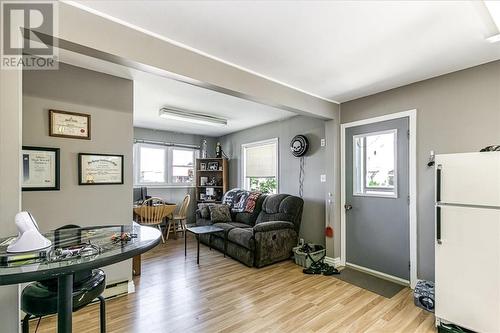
column 322, row 178
column 323, row 142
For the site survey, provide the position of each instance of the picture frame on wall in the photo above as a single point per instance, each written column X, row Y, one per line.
column 100, row 169
column 71, row 125
column 40, row 168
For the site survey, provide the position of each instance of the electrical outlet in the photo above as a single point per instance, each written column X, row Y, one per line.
column 323, row 142
column 322, row 178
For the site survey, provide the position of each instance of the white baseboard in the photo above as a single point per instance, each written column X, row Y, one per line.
column 335, row 262
column 119, row 289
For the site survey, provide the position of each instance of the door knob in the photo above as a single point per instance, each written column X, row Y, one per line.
column 347, row 207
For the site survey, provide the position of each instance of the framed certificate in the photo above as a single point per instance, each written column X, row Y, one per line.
column 66, row 124
column 100, row 169
column 40, row 169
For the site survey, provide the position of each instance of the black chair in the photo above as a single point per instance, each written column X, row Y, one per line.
column 40, row 298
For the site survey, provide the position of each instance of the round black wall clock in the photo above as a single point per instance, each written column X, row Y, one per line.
column 299, row 145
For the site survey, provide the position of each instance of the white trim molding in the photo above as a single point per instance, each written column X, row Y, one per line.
column 335, row 262
column 412, row 115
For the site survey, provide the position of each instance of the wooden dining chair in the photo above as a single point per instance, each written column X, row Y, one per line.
column 178, row 221
column 153, row 211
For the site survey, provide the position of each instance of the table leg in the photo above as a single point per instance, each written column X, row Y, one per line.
column 185, row 244
column 136, row 265
column 65, row 303
column 198, row 249
column 210, row 242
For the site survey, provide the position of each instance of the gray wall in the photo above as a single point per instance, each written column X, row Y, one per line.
column 109, row 100
column 457, row 112
column 175, row 195
column 313, row 218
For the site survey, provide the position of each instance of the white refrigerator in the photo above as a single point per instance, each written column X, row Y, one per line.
column 467, row 240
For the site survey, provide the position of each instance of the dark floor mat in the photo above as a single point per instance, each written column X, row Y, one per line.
column 369, row 282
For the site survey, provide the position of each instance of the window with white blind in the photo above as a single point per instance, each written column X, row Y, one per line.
column 164, row 165
column 260, row 166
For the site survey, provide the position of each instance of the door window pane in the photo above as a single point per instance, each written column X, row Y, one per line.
column 152, row 165
column 374, row 169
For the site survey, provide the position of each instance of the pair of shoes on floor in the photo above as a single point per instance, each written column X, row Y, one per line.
column 320, row 268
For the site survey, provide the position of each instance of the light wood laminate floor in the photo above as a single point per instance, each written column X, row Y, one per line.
column 221, row 295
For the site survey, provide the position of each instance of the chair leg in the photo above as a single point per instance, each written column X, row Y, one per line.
column 161, row 232
column 26, row 324
column 102, row 311
column 168, row 228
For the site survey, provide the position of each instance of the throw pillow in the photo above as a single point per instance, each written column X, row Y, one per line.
column 239, row 203
column 204, row 210
column 251, row 202
column 231, row 196
column 220, row 213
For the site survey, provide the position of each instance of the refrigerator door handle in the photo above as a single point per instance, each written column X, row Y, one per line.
column 438, row 224
column 438, row 182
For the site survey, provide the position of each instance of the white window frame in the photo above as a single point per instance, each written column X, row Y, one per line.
column 360, row 175
column 275, row 141
column 168, row 165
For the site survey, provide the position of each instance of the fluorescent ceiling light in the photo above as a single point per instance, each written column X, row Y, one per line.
column 494, row 9
column 191, row 117
column 494, row 38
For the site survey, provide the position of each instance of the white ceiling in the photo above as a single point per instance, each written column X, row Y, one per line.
column 151, row 92
column 339, row 50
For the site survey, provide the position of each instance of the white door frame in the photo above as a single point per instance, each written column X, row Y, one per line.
column 412, row 115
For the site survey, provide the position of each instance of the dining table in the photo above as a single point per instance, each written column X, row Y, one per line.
column 99, row 246
column 137, row 260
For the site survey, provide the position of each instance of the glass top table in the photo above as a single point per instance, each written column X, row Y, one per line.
column 74, row 250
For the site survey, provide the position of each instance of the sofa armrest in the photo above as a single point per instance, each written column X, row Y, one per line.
column 272, row 225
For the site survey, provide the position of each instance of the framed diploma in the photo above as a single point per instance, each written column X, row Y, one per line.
column 100, row 169
column 40, row 169
column 69, row 124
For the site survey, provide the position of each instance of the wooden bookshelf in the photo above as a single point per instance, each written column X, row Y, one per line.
column 216, row 179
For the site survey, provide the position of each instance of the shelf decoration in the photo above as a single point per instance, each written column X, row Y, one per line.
column 211, row 179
